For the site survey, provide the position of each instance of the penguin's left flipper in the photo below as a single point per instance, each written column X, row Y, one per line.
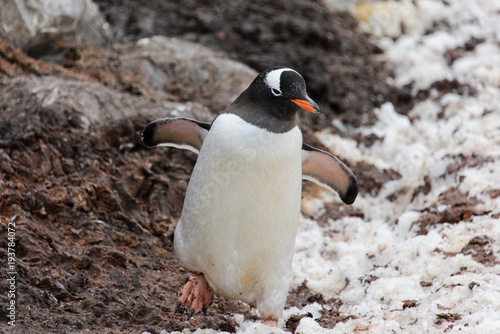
column 329, row 172
column 182, row 133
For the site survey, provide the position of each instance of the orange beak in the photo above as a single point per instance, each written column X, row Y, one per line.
column 308, row 104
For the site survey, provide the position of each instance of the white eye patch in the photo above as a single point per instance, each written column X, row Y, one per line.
column 273, row 80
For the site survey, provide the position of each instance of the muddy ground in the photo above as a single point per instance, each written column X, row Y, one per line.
column 95, row 212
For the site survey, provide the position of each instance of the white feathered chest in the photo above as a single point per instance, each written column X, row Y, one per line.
column 240, row 214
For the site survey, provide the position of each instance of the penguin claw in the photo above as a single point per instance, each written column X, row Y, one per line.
column 196, row 295
column 177, row 306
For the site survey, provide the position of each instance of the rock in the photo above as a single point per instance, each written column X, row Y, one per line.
column 30, row 25
column 87, row 103
column 161, row 68
column 158, row 69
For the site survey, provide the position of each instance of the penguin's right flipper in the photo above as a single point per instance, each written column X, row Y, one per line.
column 182, row 133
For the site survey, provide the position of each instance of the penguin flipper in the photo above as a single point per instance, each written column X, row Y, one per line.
column 182, row 133
column 326, row 170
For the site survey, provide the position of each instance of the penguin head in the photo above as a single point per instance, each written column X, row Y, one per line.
column 282, row 90
column 273, row 99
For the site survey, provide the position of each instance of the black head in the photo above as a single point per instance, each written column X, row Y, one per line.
column 273, row 99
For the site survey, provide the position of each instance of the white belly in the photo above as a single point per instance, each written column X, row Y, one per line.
column 241, row 210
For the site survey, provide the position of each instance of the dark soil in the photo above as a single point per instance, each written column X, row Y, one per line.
column 460, row 207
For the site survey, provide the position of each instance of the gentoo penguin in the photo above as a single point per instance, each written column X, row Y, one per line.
column 236, row 234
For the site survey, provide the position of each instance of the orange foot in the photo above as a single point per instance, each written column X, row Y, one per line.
column 196, row 295
column 270, row 322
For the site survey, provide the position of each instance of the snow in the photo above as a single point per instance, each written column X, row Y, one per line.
column 385, row 245
column 376, row 263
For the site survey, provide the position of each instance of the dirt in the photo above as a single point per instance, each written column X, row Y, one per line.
column 458, row 207
column 479, row 247
column 450, row 317
column 95, row 212
column 14, row 62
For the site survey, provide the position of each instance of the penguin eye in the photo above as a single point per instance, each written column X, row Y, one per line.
column 275, row 92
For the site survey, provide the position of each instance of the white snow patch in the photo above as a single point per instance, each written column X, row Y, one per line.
column 375, row 264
